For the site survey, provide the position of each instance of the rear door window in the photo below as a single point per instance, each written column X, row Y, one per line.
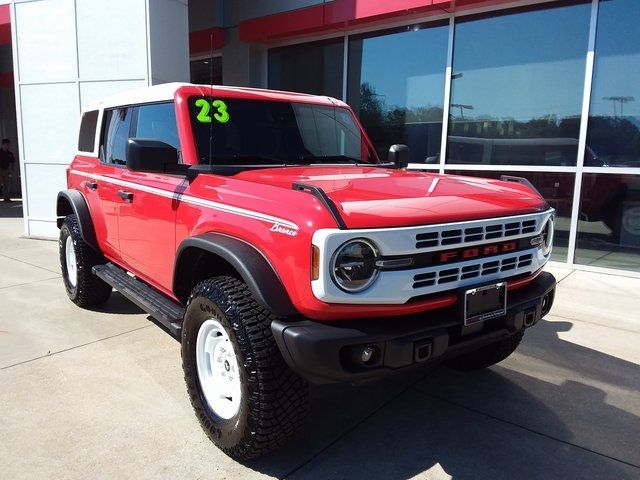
column 117, row 124
column 158, row 122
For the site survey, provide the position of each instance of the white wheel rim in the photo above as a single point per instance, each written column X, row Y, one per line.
column 72, row 266
column 218, row 369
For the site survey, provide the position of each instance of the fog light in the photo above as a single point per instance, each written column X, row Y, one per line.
column 368, row 353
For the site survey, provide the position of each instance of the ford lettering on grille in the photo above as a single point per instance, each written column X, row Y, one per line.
column 480, row 251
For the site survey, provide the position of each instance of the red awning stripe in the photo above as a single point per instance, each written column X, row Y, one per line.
column 5, row 15
column 340, row 15
column 200, row 40
column 5, row 25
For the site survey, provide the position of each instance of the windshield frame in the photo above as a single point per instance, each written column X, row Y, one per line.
column 188, row 124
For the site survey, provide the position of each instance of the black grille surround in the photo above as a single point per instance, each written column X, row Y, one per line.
column 481, row 269
column 446, row 257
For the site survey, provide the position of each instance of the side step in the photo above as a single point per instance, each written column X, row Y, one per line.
column 163, row 309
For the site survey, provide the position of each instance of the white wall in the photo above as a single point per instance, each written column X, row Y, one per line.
column 68, row 53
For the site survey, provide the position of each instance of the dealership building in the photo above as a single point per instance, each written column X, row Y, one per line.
column 547, row 90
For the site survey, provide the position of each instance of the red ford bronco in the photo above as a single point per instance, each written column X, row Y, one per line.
column 260, row 228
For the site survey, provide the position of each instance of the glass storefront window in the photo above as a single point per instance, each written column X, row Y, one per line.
column 614, row 117
column 207, row 71
column 517, row 87
column 609, row 225
column 516, row 100
column 315, row 68
column 396, row 87
column 557, row 190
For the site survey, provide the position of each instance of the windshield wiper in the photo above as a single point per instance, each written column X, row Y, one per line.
column 309, row 159
column 234, row 157
column 304, row 159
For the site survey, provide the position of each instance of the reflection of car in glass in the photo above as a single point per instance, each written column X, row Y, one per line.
column 260, row 228
column 614, row 200
column 607, row 193
column 517, row 151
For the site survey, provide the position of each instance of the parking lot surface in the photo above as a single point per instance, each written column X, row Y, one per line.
column 100, row 394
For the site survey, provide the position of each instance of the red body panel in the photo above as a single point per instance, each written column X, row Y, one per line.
column 370, row 197
column 103, row 202
column 143, row 236
column 147, row 227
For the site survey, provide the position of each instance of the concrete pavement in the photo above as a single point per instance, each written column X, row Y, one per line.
column 100, row 394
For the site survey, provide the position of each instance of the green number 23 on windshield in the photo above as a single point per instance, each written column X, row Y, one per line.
column 220, row 113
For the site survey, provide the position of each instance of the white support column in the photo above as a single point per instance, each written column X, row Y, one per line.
column 582, row 139
column 447, row 94
column 68, row 53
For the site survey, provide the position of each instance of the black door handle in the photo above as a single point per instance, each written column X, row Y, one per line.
column 126, row 196
column 91, row 185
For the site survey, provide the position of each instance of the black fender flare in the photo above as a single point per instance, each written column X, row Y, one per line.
column 79, row 207
column 254, row 269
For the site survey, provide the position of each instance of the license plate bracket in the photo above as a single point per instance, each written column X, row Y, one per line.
column 484, row 303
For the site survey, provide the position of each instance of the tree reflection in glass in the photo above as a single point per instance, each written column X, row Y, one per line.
column 517, row 87
column 614, row 117
column 396, row 86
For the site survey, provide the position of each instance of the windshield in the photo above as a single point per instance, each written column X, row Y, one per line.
column 238, row 131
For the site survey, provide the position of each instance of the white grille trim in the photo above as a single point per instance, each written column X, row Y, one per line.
column 398, row 286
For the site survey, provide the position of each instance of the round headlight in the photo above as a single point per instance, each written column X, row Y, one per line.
column 353, row 266
column 547, row 237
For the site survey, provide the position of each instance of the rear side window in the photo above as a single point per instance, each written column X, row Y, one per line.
column 117, row 128
column 87, row 138
column 465, row 152
column 157, row 122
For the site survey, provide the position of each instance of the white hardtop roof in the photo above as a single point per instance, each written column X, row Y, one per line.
column 166, row 91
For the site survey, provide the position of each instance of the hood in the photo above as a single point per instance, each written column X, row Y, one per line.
column 370, row 197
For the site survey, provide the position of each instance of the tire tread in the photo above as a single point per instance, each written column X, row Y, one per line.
column 278, row 398
column 90, row 290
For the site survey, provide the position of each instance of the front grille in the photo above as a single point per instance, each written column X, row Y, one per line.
column 488, row 232
column 445, row 257
column 479, row 269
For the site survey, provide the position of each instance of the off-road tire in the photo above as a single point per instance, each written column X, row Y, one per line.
column 89, row 290
column 274, row 400
column 487, row 355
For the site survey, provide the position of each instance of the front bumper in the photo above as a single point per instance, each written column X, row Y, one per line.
column 327, row 353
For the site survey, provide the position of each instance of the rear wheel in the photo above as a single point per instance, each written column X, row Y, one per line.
column 247, row 399
column 487, row 355
column 77, row 259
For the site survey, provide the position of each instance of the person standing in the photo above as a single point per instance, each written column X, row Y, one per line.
column 7, row 164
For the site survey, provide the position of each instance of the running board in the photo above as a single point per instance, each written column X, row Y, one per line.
column 160, row 307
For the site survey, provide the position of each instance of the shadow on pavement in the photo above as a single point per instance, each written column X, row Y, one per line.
column 11, row 209
column 118, row 305
column 497, row 423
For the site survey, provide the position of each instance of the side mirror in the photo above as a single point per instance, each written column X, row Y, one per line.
column 399, row 155
column 147, row 155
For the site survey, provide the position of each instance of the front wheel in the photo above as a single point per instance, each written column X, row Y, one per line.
column 247, row 399
column 487, row 355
